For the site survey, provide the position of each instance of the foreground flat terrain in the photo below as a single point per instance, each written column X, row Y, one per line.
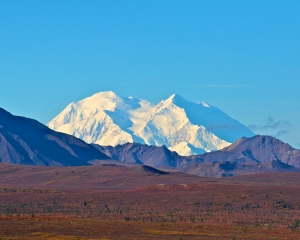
column 85, row 228
column 116, row 202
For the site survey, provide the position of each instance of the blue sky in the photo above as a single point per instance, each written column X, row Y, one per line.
column 241, row 56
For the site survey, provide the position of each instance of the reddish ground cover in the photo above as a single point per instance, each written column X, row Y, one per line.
column 120, row 203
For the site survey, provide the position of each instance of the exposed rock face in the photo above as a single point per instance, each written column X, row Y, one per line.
column 26, row 141
column 247, row 155
column 142, row 154
column 227, row 169
column 259, row 149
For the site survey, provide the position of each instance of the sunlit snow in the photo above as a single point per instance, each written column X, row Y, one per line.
column 185, row 127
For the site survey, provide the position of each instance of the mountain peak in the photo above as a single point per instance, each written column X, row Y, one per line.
column 108, row 119
column 105, row 94
column 176, row 97
column 26, row 141
column 205, row 104
column 180, row 101
column 259, row 148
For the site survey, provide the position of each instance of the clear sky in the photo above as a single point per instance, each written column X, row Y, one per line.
column 241, row 56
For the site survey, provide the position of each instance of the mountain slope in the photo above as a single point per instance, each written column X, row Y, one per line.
column 187, row 128
column 169, row 125
column 247, row 155
column 212, row 118
column 231, row 168
column 26, row 141
column 256, row 149
column 142, row 154
column 104, row 118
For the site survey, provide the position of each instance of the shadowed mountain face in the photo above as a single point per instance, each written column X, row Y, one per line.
column 260, row 149
column 26, row 141
column 245, row 156
column 142, row 154
column 229, row 168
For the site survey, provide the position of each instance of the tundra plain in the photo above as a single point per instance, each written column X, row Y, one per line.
column 108, row 201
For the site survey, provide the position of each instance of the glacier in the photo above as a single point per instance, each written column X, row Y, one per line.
column 182, row 126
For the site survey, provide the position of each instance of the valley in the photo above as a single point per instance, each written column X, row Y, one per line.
column 116, row 202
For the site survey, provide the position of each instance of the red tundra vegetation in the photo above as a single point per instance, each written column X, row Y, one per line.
column 117, row 202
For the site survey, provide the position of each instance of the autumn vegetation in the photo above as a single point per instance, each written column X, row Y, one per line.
column 106, row 202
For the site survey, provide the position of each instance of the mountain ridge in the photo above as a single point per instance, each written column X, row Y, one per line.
column 26, row 141
column 257, row 154
column 142, row 154
column 188, row 128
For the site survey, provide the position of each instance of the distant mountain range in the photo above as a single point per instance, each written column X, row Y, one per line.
column 182, row 126
column 28, row 142
column 247, row 155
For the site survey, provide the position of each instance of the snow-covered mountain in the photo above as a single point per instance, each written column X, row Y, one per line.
column 185, row 127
